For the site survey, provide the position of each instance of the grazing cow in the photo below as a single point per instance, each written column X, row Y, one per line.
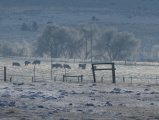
column 36, row 62
column 66, row 66
column 27, row 62
column 56, row 65
column 15, row 64
column 83, row 66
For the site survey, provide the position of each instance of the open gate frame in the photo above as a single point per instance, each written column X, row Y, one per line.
column 113, row 70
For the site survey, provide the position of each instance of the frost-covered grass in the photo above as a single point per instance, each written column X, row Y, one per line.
column 46, row 99
column 78, row 101
column 132, row 73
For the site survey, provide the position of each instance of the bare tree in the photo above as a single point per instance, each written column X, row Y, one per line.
column 66, row 41
column 22, row 49
column 6, row 49
column 74, row 45
column 18, row 49
column 118, row 45
column 57, row 40
column 155, row 52
column 34, row 26
column 89, row 33
column 104, row 43
column 25, row 27
column 124, row 45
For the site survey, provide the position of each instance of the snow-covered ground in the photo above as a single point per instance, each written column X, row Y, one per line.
column 23, row 99
column 78, row 101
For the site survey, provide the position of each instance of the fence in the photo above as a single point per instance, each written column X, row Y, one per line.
column 40, row 72
column 139, row 73
column 134, row 63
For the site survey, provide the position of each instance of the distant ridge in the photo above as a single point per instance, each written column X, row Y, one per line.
column 58, row 3
column 112, row 4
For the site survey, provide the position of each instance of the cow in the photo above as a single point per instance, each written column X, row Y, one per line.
column 15, row 64
column 27, row 62
column 56, row 65
column 83, row 66
column 36, row 62
column 66, row 66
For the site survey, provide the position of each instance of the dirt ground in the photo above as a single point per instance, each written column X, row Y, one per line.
column 78, row 101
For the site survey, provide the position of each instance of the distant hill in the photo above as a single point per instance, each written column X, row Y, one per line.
column 116, row 4
column 141, row 17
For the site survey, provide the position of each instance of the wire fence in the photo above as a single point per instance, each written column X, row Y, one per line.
column 126, row 72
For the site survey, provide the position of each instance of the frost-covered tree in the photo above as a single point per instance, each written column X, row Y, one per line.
column 25, row 27
column 58, row 40
column 69, row 42
column 22, row 49
column 27, row 51
column 74, row 44
column 6, row 49
column 104, row 43
column 89, row 33
column 34, row 26
column 117, row 45
column 155, row 52
column 18, row 50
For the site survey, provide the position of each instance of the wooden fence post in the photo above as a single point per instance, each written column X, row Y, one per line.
column 102, row 79
column 5, row 74
column 63, row 78
column 93, row 73
column 55, row 79
column 123, row 79
column 11, row 79
column 32, row 79
column 113, row 73
column 81, row 78
column 34, row 72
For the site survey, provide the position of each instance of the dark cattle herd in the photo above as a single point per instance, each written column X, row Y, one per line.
column 15, row 64
column 83, row 66
column 27, row 62
column 57, row 65
column 36, row 62
column 61, row 66
column 66, row 66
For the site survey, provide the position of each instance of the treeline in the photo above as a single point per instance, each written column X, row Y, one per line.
column 33, row 27
column 17, row 49
column 86, row 41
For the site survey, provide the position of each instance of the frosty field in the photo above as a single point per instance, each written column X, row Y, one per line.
column 78, row 101
column 134, row 96
column 141, row 72
column 22, row 99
